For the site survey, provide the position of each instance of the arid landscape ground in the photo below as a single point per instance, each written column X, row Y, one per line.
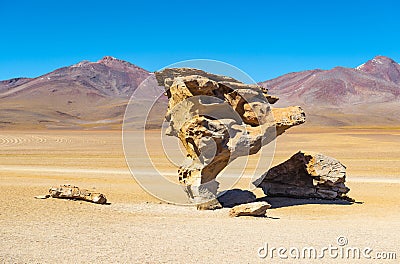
column 64, row 127
column 156, row 105
column 137, row 228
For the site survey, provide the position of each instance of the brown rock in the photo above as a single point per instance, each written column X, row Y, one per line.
column 218, row 119
column 306, row 175
column 250, row 209
column 73, row 192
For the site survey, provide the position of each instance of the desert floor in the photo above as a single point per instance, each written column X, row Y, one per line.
column 138, row 228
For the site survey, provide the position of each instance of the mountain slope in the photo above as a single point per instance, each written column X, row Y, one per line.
column 11, row 83
column 366, row 95
column 383, row 68
column 84, row 95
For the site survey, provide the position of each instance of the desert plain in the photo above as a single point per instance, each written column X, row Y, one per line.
column 136, row 227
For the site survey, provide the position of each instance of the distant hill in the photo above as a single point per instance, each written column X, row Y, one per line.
column 367, row 95
column 84, row 95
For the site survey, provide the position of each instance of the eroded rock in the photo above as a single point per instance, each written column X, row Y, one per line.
column 306, row 175
column 250, row 209
column 219, row 119
column 75, row 193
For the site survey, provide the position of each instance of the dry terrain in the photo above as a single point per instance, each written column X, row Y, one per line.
column 137, row 228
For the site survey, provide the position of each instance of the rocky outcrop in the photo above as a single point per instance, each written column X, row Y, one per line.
column 250, row 209
column 306, row 175
column 218, row 119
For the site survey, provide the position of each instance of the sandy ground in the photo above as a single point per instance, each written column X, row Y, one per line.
column 138, row 228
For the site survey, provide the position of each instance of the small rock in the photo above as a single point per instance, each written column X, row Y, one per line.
column 250, row 209
column 210, row 205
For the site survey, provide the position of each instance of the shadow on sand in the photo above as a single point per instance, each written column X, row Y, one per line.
column 279, row 202
column 230, row 198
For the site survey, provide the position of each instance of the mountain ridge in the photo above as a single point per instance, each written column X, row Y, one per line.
column 93, row 95
column 84, row 95
column 369, row 93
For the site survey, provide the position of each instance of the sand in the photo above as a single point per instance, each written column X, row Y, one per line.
column 138, row 228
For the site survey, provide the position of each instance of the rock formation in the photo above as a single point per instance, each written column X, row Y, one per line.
column 75, row 193
column 218, row 119
column 306, row 175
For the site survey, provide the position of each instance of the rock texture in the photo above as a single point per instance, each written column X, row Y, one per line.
column 218, row 119
column 73, row 192
column 250, row 209
column 306, row 175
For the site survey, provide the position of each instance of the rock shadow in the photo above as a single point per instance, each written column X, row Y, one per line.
column 231, row 198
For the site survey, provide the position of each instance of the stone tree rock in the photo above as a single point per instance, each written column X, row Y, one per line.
column 218, row 119
column 306, row 175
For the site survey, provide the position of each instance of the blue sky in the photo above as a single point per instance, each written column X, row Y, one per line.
column 263, row 38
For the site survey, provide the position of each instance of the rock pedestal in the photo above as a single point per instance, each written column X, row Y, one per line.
column 218, row 119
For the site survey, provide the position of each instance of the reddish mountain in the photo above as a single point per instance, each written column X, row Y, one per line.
column 84, row 95
column 91, row 95
column 366, row 95
column 383, row 68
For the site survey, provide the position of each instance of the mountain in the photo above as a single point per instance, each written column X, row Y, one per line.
column 94, row 95
column 383, row 68
column 84, row 95
column 366, row 95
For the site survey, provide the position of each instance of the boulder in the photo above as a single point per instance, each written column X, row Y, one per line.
column 250, row 209
column 218, row 119
column 306, row 175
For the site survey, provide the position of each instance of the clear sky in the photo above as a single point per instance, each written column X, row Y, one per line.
column 263, row 38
